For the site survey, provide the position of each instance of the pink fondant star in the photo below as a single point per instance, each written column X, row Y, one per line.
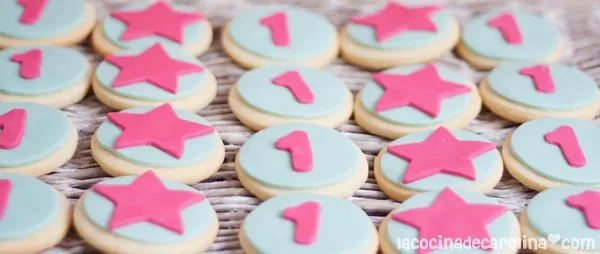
column 5, row 187
column 158, row 19
column 147, row 200
column 159, row 127
column 423, row 89
column 441, row 152
column 451, row 218
column 589, row 204
column 396, row 18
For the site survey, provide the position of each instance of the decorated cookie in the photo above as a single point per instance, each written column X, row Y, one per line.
column 300, row 157
column 495, row 37
column 33, row 215
column 450, row 221
column 396, row 34
column 145, row 214
column 432, row 160
column 150, row 76
column 145, row 23
column 550, row 152
column 564, row 219
column 524, row 91
column 408, row 99
column 173, row 143
column 308, row 223
column 47, row 75
column 45, row 22
column 286, row 93
column 34, row 139
column 280, row 34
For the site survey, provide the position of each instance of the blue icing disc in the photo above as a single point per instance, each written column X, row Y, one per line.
column 311, row 35
column 529, row 147
column 335, row 158
column 58, row 18
column 61, row 68
column 46, row 131
column 540, row 38
column 343, row 228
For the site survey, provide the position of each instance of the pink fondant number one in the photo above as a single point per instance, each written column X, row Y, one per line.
column 294, row 82
column 277, row 24
column 298, row 145
column 306, row 221
column 564, row 137
column 507, row 25
column 32, row 11
column 542, row 79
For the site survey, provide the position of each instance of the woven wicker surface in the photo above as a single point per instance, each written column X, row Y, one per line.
column 578, row 20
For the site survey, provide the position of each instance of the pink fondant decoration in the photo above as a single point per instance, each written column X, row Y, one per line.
column 32, row 11
column 450, row 217
column 159, row 127
column 441, row 152
column 507, row 25
column 306, row 218
column 564, row 137
column 298, row 145
column 395, row 18
column 12, row 125
column 542, row 79
column 159, row 19
column 30, row 63
column 589, row 204
column 423, row 89
column 294, row 82
column 153, row 66
column 5, row 188
column 277, row 24
column 146, row 199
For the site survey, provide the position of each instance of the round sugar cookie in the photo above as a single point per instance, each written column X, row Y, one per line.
column 493, row 38
column 524, row 91
column 280, row 34
column 277, row 94
column 300, row 157
column 145, row 214
column 34, row 139
column 414, row 98
column 432, row 160
column 173, row 143
column 153, row 75
column 49, row 75
column 155, row 21
column 298, row 223
column 551, row 152
column 395, row 34
column 45, row 22
column 450, row 221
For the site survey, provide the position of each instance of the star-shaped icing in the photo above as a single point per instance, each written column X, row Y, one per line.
column 450, row 217
column 423, row 89
column 5, row 187
column 146, row 199
column 158, row 19
column 440, row 153
column 12, row 128
column 159, row 127
column 396, row 18
column 153, row 66
column 589, row 204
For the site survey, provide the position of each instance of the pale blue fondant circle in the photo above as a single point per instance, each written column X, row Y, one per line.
column 57, row 19
column 196, row 219
column 335, row 157
column 528, row 145
column 46, row 130
column 113, row 28
column 195, row 149
column 393, row 168
column 61, row 68
column 501, row 228
column 540, row 38
column 451, row 107
column 187, row 84
column 572, row 87
column 311, row 34
column 344, row 228
column 328, row 90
